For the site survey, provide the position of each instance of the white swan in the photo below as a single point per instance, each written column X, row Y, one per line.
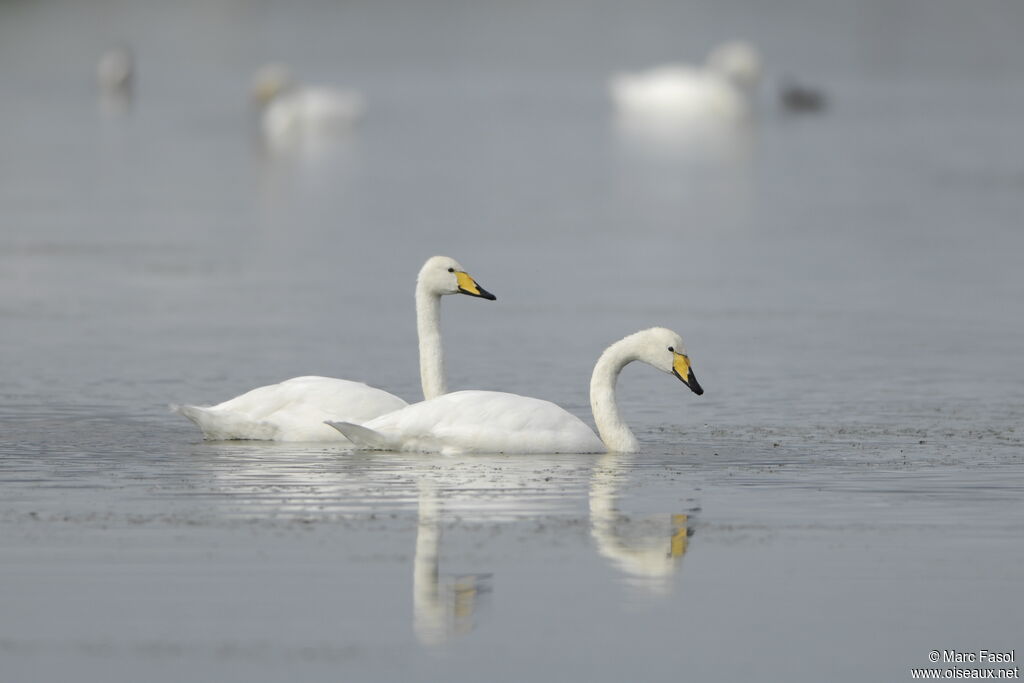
column 115, row 70
column 497, row 422
column 295, row 410
column 291, row 111
column 683, row 92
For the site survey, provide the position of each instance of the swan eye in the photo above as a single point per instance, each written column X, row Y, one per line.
column 671, row 349
column 451, row 270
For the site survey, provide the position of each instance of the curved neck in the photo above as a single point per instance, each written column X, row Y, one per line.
column 610, row 425
column 428, row 328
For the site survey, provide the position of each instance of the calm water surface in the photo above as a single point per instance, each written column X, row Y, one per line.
column 845, row 497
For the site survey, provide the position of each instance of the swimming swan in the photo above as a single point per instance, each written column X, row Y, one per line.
column 682, row 92
column 295, row 409
column 292, row 110
column 497, row 422
column 115, row 71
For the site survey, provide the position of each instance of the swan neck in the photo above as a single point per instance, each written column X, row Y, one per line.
column 614, row 431
column 428, row 328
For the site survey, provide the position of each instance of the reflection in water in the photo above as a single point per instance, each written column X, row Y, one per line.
column 647, row 550
column 254, row 480
column 294, row 483
column 115, row 104
column 687, row 175
column 442, row 605
column 698, row 140
column 291, row 170
column 297, row 483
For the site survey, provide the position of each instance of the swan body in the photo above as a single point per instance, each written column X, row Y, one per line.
column 481, row 422
column 497, row 422
column 293, row 410
column 716, row 90
column 291, row 110
column 296, row 409
column 312, row 110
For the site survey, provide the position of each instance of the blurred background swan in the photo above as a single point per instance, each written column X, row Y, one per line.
column 292, row 112
column 719, row 89
column 115, row 79
column 692, row 112
column 115, row 70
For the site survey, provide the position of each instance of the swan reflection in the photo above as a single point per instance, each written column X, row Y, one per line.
column 647, row 550
column 443, row 605
column 285, row 483
column 701, row 142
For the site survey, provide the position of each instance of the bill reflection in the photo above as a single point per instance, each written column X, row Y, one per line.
column 444, row 605
column 647, row 550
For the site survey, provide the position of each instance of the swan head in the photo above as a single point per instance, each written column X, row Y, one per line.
column 116, row 70
column 663, row 348
column 737, row 61
column 270, row 81
column 443, row 275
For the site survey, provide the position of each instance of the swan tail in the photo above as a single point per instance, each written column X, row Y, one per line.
column 220, row 426
column 364, row 437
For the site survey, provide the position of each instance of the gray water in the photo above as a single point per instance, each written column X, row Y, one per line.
column 844, row 498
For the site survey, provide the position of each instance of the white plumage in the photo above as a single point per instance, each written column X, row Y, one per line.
column 291, row 111
column 484, row 422
column 293, row 410
column 716, row 90
column 312, row 110
column 497, row 422
column 296, row 409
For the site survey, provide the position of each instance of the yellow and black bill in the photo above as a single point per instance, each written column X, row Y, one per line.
column 681, row 369
column 468, row 285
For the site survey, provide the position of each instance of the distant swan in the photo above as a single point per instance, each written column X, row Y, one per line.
column 291, row 110
column 497, row 422
column 715, row 91
column 295, row 410
column 115, row 71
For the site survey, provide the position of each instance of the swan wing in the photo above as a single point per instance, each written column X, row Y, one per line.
column 293, row 410
column 311, row 109
column 365, row 438
column 677, row 90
